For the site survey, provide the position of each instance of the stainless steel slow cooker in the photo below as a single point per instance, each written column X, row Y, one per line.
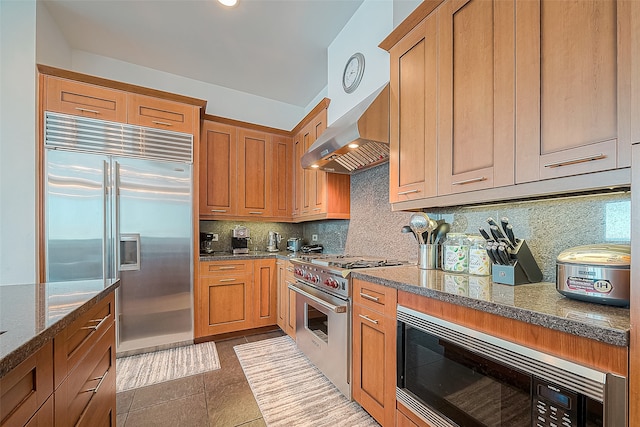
column 595, row 273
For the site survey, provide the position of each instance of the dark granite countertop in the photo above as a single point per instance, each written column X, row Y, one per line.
column 228, row 256
column 33, row 314
column 536, row 303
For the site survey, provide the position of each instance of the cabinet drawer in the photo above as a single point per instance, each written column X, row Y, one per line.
column 208, row 268
column 375, row 297
column 81, row 99
column 159, row 113
column 73, row 343
column 26, row 387
column 89, row 390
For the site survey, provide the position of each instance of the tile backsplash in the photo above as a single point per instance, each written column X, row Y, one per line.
column 549, row 226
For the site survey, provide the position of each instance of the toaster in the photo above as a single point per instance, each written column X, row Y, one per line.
column 595, row 273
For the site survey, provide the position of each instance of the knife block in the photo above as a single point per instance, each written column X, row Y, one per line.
column 524, row 270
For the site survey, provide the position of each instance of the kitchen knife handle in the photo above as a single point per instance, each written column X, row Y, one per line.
column 509, row 230
column 491, row 257
column 502, row 252
column 402, row 193
column 484, row 234
column 469, row 181
column 496, row 233
column 575, row 160
column 504, row 221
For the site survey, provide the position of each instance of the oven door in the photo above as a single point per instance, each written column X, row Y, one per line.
column 322, row 333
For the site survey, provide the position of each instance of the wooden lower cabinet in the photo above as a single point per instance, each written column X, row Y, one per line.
column 235, row 295
column 286, row 298
column 83, row 392
column 406, row 418
column 374, row 350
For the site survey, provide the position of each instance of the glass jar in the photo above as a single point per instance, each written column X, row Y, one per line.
column 479, row 262
column 455, row 257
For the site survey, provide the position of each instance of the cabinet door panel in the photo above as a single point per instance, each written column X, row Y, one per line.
column 573, row 89
column 80, row 99
column 218, row 170
column 264, row 293
column 253, row 191
column 160, row 113
column 281, row 171
column 413, row 125
column 476, row 108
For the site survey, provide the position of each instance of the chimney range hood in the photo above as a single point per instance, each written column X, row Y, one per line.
column 356, row 141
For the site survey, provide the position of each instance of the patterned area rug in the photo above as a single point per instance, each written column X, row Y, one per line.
column 291, row 391
column 164, row 365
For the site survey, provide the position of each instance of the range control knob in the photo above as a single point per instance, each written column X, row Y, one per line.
column 315, row 279
column 331, row 282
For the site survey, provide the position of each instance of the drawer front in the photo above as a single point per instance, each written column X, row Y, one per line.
column 90, row 386
column 159, row 113
column 73, row 343
column 375, row 297
column 81, row 99
column 231, row 267
column 26, row 387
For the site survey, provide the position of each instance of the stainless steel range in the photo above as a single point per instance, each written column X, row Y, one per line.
column 323, row 311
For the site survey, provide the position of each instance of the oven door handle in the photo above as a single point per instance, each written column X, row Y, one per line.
column 323, row 303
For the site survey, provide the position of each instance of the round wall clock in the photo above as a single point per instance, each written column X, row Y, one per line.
column 353, row 71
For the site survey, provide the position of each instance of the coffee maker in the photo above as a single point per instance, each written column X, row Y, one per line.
column 273, row 241
column 206, row 243
column 240, row 240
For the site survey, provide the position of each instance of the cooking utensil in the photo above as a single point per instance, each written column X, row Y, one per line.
column 407, row 229
column 431, row 227
column 419, row 223
column 441, row 232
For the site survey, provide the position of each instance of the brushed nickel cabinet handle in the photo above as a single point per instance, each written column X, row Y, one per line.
column 218, row 210
column 367, row 318
column 97, row 387
column 86, row 110
column 576, row 160
column 369, row 297
column 317, row 209
column 161, row 123
column 469, row 181
column 256, row 213
column 402, row 193
column 99, row 323
column 227, row 280
column 227, row 268
column 304, row 212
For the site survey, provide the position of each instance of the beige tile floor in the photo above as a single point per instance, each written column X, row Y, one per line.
column 220, row 398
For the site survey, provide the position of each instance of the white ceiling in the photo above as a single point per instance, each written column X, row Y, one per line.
column 276, row 49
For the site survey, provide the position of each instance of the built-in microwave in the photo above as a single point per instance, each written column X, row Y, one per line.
column 450, row 375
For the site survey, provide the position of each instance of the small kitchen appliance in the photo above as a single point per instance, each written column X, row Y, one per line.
column 273, row 241
column 206, row 243
column 294, row 244
column 240, row 240
column 595, row 273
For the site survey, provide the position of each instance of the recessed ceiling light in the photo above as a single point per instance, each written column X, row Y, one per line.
column 228, row 3
column 315, row 166
column 353, row 145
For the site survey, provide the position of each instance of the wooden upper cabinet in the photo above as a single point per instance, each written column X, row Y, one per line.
column 573, row 76
column 413, row 117
column 253, row 173
column 296, row 192
column 218, row 151
column 476, row 83
column 282, row 177
column 318, row 179
column 81, row 99
column 162, row 114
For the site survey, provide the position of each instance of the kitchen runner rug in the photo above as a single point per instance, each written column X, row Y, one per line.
column 291, row 391
column 151, row 368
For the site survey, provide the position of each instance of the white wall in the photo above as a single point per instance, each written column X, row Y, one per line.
column 17, row 141
column 221, row 101
column 371, row 23
column 51, row 46
column 402, row 9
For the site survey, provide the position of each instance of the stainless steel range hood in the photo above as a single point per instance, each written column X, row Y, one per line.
column 356, row 141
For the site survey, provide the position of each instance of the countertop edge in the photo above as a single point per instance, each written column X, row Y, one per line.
column 20, row 354
column 245, row 257
column 615, row 337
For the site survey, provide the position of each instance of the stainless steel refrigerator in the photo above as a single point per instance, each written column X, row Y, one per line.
column 119, row 205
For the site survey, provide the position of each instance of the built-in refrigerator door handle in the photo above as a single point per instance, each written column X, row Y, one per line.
column 106, row 256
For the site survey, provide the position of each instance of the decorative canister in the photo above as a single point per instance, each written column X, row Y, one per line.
column 456, row 253
column 479, row 262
